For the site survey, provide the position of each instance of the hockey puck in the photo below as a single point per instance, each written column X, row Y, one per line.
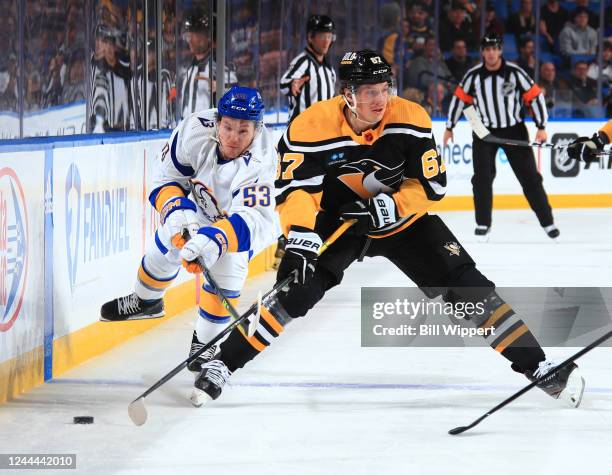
column 83, row 420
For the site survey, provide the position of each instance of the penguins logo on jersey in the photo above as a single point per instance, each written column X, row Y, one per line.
column 453, row 248
column 368, row 177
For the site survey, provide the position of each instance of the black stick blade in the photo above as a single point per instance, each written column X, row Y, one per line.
column 458, row 430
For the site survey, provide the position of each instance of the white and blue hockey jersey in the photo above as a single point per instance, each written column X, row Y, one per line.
column 236, row 196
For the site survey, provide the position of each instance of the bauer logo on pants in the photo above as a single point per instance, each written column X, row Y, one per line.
column 13, row 247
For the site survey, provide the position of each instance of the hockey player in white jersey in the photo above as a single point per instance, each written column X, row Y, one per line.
column 214, row 185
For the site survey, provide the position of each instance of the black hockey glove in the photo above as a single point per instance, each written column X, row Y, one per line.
column 301, row 252
column 370, row 214
column 585, row 149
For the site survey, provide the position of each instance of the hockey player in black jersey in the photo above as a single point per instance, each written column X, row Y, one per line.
column 371, row 156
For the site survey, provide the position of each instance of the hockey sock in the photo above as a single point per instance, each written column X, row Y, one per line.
column 509, row 335
column 213, row 317
column 239, row 348
column 151, row 285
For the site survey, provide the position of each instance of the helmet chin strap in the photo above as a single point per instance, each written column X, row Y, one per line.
column 353, row 110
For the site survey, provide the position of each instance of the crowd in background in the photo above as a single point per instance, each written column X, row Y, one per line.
column 428, row 71
column 263, row 37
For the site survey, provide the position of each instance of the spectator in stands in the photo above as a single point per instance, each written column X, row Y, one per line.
column 552, row 20
column 584, row 89
column 414, row 95
column 594, row 69
column 549, row 83
column 522, row 22
column 459, row 61
column 423, row 69
column 8, row 85
column 419, row 28
column 455, row 26
column 57, row 74
column 578, row 37
column 492, row 23
column 469, row 6
column 74, row 88
column 526, row 58
column 437, row 100
column 389, row 42
column 593, row 17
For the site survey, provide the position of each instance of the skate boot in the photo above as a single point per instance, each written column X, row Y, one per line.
column 482, row 233
column 566, row 384
column 131, row 307
column 195, row 366
column 552, row 231
column 210, row 382
column 280, row 251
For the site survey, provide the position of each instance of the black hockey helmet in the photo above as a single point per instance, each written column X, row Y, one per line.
column 491, row 39
column 196, row 21
column 320, row 23
column 364, row 67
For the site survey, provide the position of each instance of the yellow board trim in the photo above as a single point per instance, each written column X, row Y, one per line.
column 21, row 374
column 466, row 203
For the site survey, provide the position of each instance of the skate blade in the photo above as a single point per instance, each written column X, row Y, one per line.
column 138, row 317
column 198, row 397
column 573, row 392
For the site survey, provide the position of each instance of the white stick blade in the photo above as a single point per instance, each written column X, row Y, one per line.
column 138, row 411
column 477, row 126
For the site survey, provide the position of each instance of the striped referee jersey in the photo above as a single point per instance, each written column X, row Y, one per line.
column 196, row 86
column 320, row 87
column 111, row 95
column 498, row 96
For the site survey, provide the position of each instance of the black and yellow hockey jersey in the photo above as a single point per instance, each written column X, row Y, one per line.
column 323, row 164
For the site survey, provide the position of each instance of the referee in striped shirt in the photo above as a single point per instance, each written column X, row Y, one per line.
column 310, row 78
column 498, row 89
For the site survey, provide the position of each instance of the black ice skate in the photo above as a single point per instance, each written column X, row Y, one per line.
column 195, row 366
column 131, row 307
column 210, row 382
column 552, row 231
column 482, row 233
column 566, row 384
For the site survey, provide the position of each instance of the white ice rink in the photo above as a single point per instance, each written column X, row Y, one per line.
column 318, row 403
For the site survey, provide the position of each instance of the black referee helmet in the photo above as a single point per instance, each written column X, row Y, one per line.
column 491, row 39
column 196, row 22
column 320, row 23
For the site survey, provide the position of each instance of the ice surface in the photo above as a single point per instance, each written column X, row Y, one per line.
column 318, row 403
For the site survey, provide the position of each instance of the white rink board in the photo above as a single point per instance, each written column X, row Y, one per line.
column 21, row 253
column 98, row 226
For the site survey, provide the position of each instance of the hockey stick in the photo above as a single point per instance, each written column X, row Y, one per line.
column 484, row 134
column 137, row 409
column 586, row 349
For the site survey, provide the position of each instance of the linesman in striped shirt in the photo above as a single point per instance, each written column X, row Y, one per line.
column 499, row 89
column 310, row 78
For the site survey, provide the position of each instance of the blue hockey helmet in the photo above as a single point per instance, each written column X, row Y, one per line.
column 241, row 103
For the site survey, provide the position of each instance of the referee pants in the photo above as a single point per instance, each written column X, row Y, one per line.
column 523, row 165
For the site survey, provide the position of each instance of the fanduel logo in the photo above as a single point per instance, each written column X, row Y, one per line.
column 73, row 220
column 13, row 247
column 96, row 223
column 105, row 223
